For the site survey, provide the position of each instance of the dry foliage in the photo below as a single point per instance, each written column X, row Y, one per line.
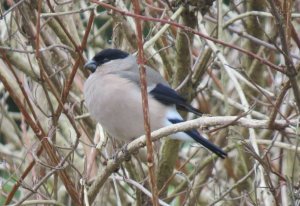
column 235, row 60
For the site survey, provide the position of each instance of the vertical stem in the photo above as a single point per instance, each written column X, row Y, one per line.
column 282, row 19
column 38, row 23
column 220, row 19
column 150, row 157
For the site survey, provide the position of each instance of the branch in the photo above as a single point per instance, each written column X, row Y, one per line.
column 141, row 61
column 132, row 147
column 188, row 29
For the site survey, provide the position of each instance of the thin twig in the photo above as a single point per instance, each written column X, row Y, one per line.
column 188, row 29
column 141, row 61
column 140, row 187
column 283, row 23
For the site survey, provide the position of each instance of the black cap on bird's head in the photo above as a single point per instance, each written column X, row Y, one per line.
column 103, row 57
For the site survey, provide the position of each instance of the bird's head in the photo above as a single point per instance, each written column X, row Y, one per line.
column 105, row 56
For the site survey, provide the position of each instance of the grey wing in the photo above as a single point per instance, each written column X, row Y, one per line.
column 153, row 77
column 159, row 89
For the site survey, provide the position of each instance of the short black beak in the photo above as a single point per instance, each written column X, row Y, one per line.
column 91, row 65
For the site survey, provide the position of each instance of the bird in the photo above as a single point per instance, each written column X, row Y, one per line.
column 112, row 95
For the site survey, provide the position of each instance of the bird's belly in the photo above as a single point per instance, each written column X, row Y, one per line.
column 120, row 112
column 127, row 121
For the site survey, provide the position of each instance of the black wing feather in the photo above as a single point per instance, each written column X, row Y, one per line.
column 168, row 96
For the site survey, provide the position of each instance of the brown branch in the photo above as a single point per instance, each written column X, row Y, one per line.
column 38, row 130
column 283, row 23
column 36, row 186
column 278, row 102
column 141, row 61
column 138, row 143
column 77, row 48
column 79, row 59
column 168, row 181
column 295, row 35
column 16, row 186
column 45, row 144
column 38, row 29
column 269, row 100
column 188, row 29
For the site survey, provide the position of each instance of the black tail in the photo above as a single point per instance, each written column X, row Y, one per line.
column 200, row 139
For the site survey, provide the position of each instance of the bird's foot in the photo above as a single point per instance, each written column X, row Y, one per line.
column 126, row 152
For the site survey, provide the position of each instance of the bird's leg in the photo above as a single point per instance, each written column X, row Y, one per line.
column 126, row 152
